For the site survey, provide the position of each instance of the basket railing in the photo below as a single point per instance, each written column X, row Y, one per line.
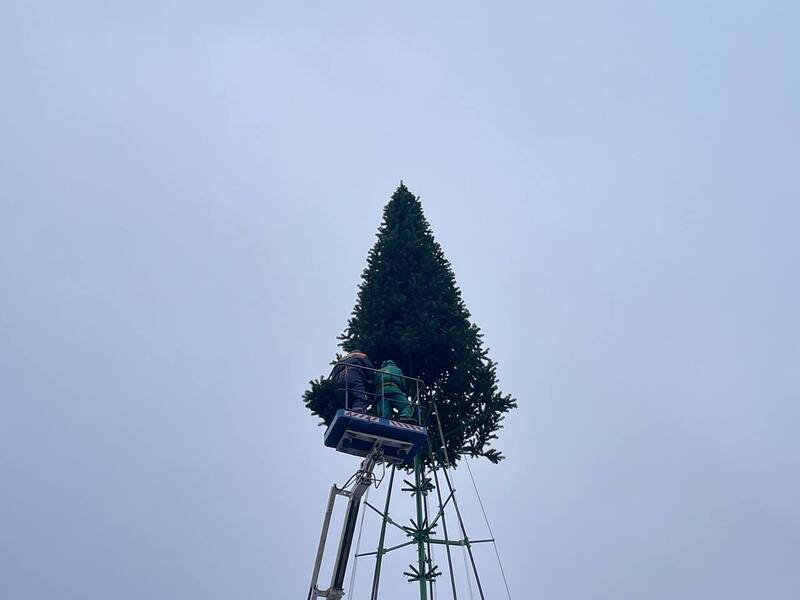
column 378, row 379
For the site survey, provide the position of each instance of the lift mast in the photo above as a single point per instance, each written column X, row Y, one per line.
column 361, row 482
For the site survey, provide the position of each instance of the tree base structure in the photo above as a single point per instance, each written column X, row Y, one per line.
column 421, row 533
column 378, row 440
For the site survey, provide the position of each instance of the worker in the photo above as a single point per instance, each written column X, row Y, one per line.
column 390, row 395
column 352, row 376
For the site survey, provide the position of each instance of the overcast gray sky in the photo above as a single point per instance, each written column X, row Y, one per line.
column 188, row 191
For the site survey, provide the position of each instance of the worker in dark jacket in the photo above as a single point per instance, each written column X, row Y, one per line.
column 390, row 394
column 352, row 380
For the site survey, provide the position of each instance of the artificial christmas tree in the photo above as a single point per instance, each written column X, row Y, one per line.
column 410, row 310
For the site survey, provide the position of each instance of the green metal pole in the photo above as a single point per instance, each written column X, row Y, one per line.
column 446, row 538
column 379, row 556
column 423, row 589
column 428, row 544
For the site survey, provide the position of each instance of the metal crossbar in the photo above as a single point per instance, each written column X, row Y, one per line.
column 386, row 517
column 344, row 364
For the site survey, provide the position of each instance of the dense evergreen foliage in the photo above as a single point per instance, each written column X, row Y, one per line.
column 409, row 309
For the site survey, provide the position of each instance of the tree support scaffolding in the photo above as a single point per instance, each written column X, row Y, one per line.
column 420, row 533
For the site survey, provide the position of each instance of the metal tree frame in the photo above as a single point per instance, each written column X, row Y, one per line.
column 421, row 531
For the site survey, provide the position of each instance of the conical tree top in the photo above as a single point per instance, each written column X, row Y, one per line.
column 410, row 310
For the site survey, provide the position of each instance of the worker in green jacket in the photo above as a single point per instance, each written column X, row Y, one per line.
column 390, row 393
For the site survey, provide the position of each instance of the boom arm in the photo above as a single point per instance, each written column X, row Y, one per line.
column 362, row 480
